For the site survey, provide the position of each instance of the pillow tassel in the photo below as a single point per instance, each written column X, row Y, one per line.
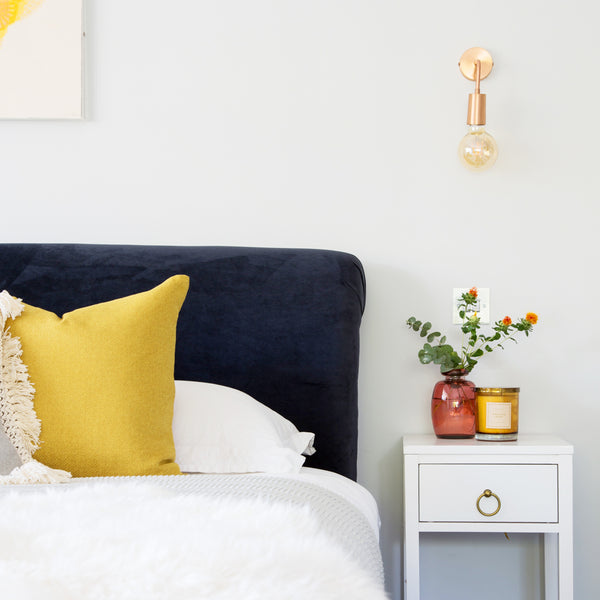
column 10, row 307
column 34, row 472
column 16, row 399
column 17, row 413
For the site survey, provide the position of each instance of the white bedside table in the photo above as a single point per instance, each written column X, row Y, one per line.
column 473, row 486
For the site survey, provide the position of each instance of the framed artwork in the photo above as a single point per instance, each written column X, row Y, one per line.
column 41, row 59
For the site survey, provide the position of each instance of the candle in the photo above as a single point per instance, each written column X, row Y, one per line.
column 497, row 413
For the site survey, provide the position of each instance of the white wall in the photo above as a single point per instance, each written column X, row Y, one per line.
column 334, row 123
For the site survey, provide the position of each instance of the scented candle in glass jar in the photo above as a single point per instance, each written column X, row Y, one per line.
column 497, row 414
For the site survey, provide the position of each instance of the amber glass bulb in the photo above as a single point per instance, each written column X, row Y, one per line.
column 478, row 149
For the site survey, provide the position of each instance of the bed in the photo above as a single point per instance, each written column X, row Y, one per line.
column 199, row 407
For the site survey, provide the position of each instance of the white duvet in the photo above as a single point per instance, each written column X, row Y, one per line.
column 147, row 543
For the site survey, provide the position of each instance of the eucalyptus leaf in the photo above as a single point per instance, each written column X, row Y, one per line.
column 425, row 357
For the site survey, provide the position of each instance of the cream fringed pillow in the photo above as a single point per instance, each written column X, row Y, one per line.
column 19, row 424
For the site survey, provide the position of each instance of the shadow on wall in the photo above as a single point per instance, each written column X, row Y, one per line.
column 476, row 565
column 392, row 532
column 390, row 380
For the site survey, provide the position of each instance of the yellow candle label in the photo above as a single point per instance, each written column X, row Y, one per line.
column 498, row 415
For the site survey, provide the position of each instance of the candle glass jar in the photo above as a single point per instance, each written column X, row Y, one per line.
column 497, row 414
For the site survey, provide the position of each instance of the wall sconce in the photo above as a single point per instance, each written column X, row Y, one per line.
column 478, row 149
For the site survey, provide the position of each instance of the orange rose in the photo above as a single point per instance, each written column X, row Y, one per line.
column 532, row 318
column 507, row 321
column 473, row 292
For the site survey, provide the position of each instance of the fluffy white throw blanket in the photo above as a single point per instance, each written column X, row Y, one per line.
column 136, row 542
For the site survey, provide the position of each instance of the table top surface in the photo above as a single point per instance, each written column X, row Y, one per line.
column 525, row 444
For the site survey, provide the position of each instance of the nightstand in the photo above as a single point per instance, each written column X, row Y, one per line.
column 473, row 486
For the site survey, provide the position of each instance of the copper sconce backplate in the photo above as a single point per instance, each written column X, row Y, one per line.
column 468, row 62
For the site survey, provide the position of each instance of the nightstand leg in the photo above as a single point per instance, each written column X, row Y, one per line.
column 411, row 563
column 565, row 537
column 558, row 566
column 551, row 566
column 565, row 565
column 411, row 528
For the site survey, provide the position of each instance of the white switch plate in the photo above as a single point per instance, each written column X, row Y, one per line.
column 482, row 307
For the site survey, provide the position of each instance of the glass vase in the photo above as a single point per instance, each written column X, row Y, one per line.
column 453, row 406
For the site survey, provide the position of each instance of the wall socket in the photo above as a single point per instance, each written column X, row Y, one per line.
column 482, row 307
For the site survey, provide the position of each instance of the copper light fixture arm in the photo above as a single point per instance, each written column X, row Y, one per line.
column 476, row 64
column 477, row 76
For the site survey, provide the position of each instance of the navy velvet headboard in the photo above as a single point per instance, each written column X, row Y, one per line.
column 279, row 324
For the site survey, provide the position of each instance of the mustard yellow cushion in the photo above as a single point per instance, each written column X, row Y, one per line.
column 104, row 382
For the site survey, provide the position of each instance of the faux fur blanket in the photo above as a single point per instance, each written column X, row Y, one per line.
column 143, row 542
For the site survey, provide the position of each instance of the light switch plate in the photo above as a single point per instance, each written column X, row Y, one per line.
column 482, row 308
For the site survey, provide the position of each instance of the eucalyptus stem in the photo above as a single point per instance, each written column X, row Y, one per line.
column 436, row 350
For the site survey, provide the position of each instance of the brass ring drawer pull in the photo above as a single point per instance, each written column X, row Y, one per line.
column 487, row 494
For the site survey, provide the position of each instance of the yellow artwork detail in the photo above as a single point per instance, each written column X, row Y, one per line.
column 12, row 11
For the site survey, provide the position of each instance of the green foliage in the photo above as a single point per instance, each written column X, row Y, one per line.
column 475, row 344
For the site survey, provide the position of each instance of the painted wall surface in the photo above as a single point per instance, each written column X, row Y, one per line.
column 334, row 123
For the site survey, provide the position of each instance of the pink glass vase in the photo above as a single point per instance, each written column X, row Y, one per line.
column 453, row 406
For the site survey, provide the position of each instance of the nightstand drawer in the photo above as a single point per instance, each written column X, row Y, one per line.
column 525, row 493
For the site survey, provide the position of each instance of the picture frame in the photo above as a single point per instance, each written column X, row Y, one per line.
column 41, row 59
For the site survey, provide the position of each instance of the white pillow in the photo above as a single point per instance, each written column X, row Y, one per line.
column 218, row 429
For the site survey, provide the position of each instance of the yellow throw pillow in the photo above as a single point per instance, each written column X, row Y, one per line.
column 104, row 382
